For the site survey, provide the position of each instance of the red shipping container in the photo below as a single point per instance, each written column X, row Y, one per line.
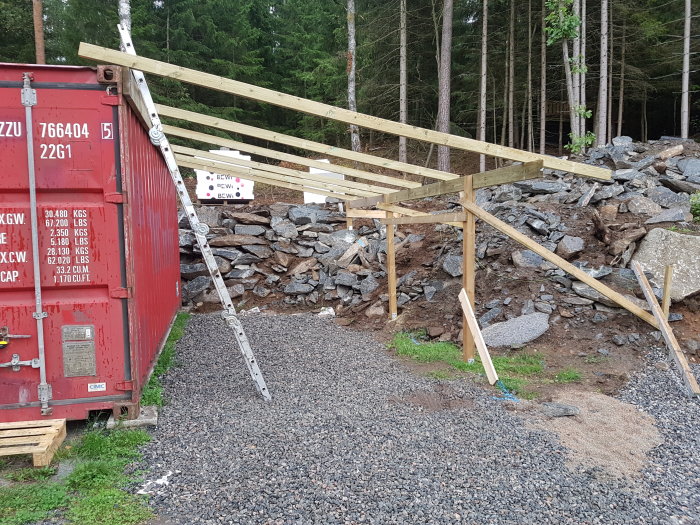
column 105, row 238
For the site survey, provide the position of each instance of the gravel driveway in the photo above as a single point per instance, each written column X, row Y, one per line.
column 352, row 437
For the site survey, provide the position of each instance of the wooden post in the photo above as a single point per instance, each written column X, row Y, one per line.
column 391, row 268
column 468, row 260
column 668, row 278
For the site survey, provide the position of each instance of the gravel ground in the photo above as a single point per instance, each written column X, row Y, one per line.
column 341, row 442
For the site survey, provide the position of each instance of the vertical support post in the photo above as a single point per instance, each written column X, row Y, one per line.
column 666, row 301
column 468, row 261
column 348, row 223
column 391, row 268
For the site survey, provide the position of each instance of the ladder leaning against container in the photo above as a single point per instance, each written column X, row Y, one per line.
column 200, row 229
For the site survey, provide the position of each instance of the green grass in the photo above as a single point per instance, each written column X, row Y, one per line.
column 595, row 359
column 512, row 370
column 92, row 494
column 153, row 391
column 695, row 206
column 31, row 474
column 568, row 375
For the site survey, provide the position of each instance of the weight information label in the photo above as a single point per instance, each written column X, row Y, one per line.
column 67, row 244
column 13, row 252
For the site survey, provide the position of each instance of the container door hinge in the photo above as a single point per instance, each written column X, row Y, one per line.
column 115, row 198
column 120, row 293
column 124, row 385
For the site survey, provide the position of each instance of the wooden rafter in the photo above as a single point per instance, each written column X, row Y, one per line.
column 296, row 142
column 276, row 98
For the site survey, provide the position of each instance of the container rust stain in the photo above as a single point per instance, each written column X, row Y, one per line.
column 107, row 245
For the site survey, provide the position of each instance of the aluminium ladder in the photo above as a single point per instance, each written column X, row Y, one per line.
column 200, row 229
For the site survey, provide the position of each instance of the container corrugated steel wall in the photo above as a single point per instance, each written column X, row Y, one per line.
column 107, row 233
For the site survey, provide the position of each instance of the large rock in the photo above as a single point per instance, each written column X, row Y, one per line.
column 453, row 265
column 570, row 246
column 585, row 291
column 186, row 238
column 249, row 229
column 667, row 198
column 541, row 187
column 607, row 192
column 298, row 288
column 286, row 229
column 671, row 215
column 236, row 240
column 247, row 218
column 517, row 331
column 680, row 186
column 306, row 214
column 662, row 247
column 527, row 259
column 643, row 205
column 209, row 215
column 193, row 288
column 690, row 167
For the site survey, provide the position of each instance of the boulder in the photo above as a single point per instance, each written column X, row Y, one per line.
column 680, row 186
column 570, row 246
column 286, row 229
column 248, row 229
column 186, row 238
column 541, row 187
column 306, row 214
column 643, row 205
column 209, row 215
column 671, row 215
column 193, row 288
column 623, row 141
column 690, row 167
column 607, row 192
column 453, row 265
column 517, row 331
column 662, row 247
column 247, row 218
column 298, row 288
column 667, row 198
column 526, row 259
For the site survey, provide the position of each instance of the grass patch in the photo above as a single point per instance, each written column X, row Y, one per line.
column 92, row 494
column 440, row 374
column 568, row 375
column 512, row 370
column 695, row 206
column 153, row 391
column 31, row 474
column 595, row 359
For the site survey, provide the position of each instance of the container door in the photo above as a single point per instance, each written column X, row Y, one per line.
column 79, row 236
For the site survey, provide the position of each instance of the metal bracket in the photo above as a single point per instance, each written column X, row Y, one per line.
column 28, row 94
column 40, row 315
column 15, row 363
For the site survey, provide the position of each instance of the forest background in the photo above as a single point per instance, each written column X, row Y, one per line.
column 302, row 47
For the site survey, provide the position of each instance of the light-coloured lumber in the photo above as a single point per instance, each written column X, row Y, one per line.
column 561, row 263
column 36, row 431
column 674, row 348
column 365, row 214
column 473, row 326
column 401, row 210
column 32, row 424
column 276, row 98
column 391, row 269
column 668, row 281
column 286, row 157
column 468, row 266
column 505, row 175
column 252, row 175
column 296, row 142
column 43, row 459
column 438, row 218
column 217, row 157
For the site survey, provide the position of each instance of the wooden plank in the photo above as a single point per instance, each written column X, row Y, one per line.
column 278, row 155
column 43, row 459
column 674, row 348
column 410, row 213
column 247, row 174
column 506, row 175
column 437, row 218
column 366, row 214
column 561, row 263
column 21, row 432
column 391, row 269
column 468, row 269
column 473, row 326
column 217, row 157
column 296, row 142
column 365, row 202
column 218, row 167
column 668, row 281
column 31, row 424
column 276, row 98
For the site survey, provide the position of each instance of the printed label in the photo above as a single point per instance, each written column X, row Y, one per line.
column 97, row 387
column 79, row 359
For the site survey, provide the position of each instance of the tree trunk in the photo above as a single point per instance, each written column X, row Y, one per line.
column 576, row 69
column 543, row 79
column 443, row 120
column 403, row 82
column 644, row 116
column 685, row 96
column 621, row 96
column 611, row 42
column 504, row 119
column 530, row 137
column 573, row 114
column 38, row 12
column 124, row 11
column 352, row 101
column 511, row 77
column 582, row 75
column 482, row 84
column 603, row 85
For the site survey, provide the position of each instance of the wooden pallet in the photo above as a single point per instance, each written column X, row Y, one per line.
column 39, row 438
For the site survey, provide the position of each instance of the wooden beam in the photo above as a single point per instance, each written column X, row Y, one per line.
column 330, row 185
column 561, row 263
column 276, row 98
column 472, row 326
column 438, row 218
column 410, row 213
column 529, row 170
column 668, row 281
column 261, row 177
column 277, row 155
column 674, row 348
column 220, row 158
column 296, row 142
column 391, row 269
column 468, row 267
column 366, row 214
